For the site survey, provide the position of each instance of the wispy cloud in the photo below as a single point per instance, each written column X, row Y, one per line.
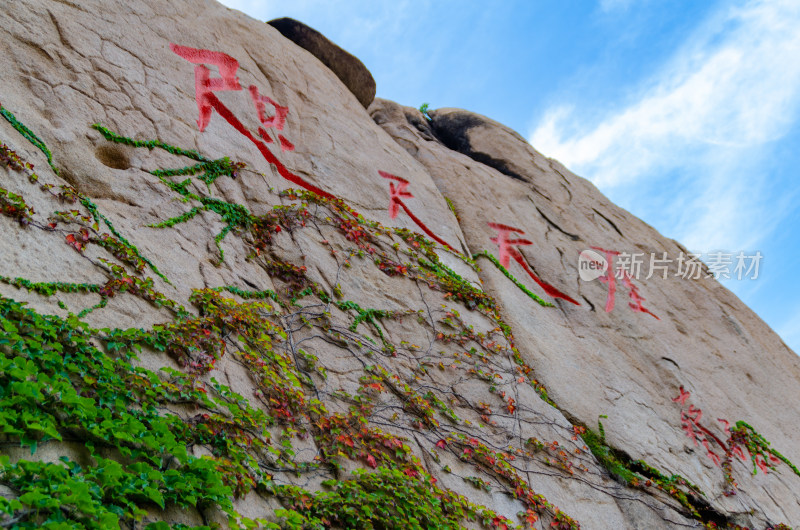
column 712, row 110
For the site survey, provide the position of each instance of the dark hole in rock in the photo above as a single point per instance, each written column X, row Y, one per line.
column 112, row 156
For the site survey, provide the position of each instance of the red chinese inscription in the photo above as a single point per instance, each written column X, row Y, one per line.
column 720, row 452
column 507, row 251
column 207, row 102
column 609, row 277
column 277, row 121
column 398, row 193
column 204, row 85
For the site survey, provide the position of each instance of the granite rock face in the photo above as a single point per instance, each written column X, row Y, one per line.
column 624, row 364
column 250, row 302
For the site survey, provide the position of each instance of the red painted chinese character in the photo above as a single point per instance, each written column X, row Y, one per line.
column 609, row 278
column 636, row 298
column 742, row 436
column 203, row 84
column 398, row 193
column 690, row 422
column 277, row 121
column 507, row 251
column 684, row 395
column 207, row 101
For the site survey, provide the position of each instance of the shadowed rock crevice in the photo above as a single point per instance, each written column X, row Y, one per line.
column 609, row 221
column 573, row 237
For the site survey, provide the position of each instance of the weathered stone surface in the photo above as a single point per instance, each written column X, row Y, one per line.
column 623, row 364
column 346, row 66
column 353, row 345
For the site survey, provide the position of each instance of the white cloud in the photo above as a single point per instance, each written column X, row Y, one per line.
column 733, row 86
column 712, row 110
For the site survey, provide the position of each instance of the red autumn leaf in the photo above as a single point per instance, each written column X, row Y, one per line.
column 511, row 406
column 371, row 461
column 71, row 241
column 441, row 444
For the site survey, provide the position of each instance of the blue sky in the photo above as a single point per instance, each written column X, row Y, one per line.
column 685, row 113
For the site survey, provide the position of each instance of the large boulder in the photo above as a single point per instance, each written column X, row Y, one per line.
column 486, row 141
column 229, row 298
column 346, row 66
column 624, row 364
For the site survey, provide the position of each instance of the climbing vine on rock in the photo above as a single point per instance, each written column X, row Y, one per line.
column 336, row 378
